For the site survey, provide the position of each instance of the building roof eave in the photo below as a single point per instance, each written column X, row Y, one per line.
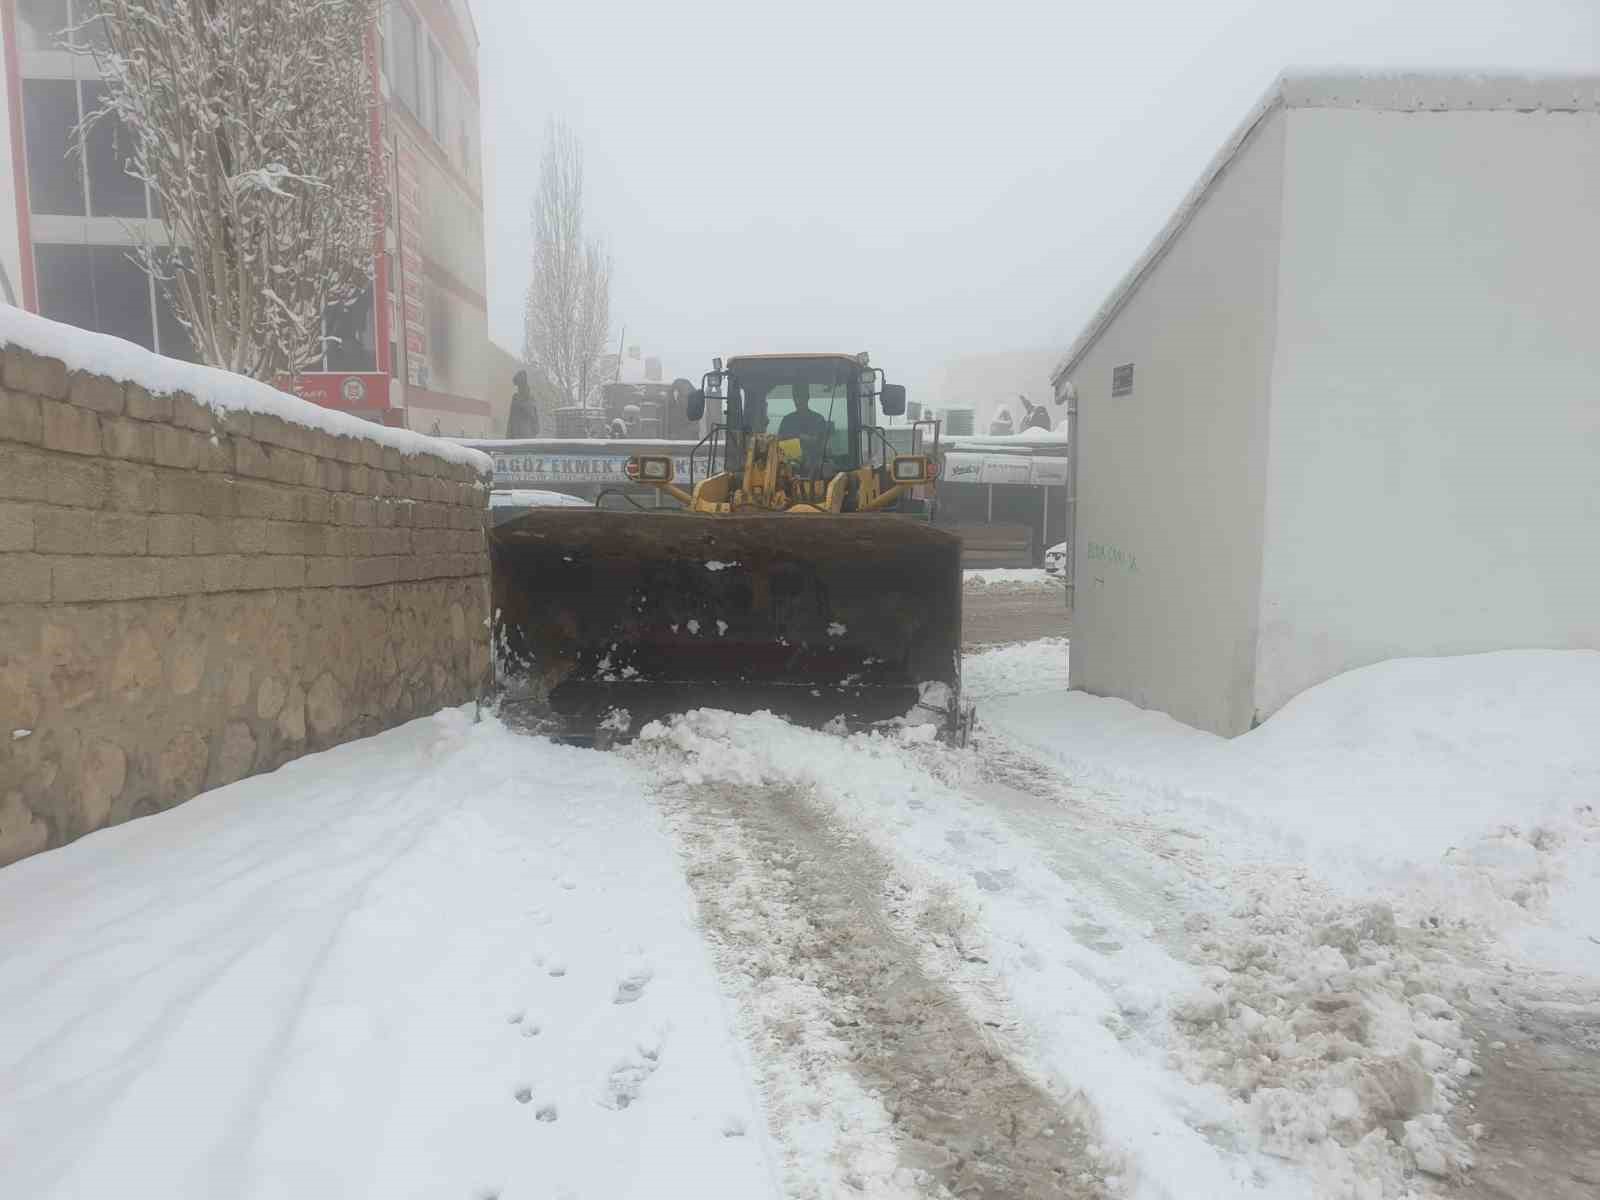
column 1376, row 91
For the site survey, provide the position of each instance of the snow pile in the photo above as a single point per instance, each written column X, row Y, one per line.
column 536, row 498
column 101, row 354
column 445, row 961
column 1467, row 787
column 1011, row 579
column 1015, row 669
column 1324, row 1027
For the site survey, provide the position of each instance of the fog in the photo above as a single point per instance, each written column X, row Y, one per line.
column 919, row 181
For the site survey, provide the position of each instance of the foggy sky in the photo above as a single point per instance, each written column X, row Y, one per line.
column 915, row 180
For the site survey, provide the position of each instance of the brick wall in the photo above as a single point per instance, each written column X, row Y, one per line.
column 189, row 596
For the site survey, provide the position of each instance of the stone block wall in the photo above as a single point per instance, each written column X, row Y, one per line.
column 191, row 595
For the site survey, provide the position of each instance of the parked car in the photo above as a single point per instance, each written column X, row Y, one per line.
column 1055, row 560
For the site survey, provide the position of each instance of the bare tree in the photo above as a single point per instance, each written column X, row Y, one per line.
column 568, row 314
column 252, row 122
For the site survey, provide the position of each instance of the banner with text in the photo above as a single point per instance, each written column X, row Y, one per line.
column 516, row 468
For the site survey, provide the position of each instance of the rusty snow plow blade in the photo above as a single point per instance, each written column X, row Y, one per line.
column 604, row 621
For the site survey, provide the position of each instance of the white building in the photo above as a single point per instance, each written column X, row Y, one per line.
column 1347, row 406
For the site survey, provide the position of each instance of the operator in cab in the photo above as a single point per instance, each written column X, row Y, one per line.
column 810, row 427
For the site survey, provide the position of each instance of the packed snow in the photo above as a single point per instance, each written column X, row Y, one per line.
column 744, row 958
column 1466, row 788
column 101, row 354
column 448, row 960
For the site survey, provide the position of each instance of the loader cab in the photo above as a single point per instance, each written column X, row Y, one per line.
column 824, row 401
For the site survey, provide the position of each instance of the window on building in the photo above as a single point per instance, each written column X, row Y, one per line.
column 122, row 295
column 66, row 284
column 427, row 110
column 384, row 65
column 112, row 191
column 41, row 24
column 172, row 339
column 55, row 172
column 353, row 343
column 100, row 288
column 405, row 81
column 436, row 77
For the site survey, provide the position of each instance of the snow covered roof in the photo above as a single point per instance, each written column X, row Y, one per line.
column 551, row 445
column 1375, row 91
column 101, row 354
column 1042, row 440
column 536, row 498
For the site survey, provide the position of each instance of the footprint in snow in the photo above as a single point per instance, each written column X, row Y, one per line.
column 627, row 1078
column 546, row 1113
column 523, row 1095
column 557, row 968
column 530, row 1025
column 631, row 986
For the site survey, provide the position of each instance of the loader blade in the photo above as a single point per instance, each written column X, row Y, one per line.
column 813, row 617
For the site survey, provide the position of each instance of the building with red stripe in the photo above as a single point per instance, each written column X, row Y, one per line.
column 413, row 353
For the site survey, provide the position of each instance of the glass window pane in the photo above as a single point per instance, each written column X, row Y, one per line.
column 112, row 191
column 172, row 339
column 436, row 83
column 356, row 347
column 404, row 81
column 424, row 83
column 122, row 295
column 66, row 288
column 41, row 22
column 55, row 175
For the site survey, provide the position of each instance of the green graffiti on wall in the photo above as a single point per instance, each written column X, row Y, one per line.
column 1115, row 555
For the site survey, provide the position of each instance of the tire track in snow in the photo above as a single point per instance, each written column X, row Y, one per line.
column 839, row 1001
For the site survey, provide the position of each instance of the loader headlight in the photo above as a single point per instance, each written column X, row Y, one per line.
column 911, row 468
column 655, row 468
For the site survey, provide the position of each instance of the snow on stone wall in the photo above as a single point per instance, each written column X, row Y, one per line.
column 196, row 586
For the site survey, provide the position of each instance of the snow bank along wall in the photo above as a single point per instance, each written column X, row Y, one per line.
column 191, row 594
column 1362, row 419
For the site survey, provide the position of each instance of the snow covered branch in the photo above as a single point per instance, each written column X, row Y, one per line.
column 252, row 123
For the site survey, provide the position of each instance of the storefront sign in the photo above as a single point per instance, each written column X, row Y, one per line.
column 355, row 392
column 1019, row 469
column 513, row 468
column 1049, row 472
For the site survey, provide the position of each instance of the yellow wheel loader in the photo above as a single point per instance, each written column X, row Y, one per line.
column 784, row 580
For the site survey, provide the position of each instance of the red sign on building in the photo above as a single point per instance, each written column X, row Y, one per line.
column 362, row 392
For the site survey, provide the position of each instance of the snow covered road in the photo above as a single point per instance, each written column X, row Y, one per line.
column 448, row 961
column 1086, row 957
